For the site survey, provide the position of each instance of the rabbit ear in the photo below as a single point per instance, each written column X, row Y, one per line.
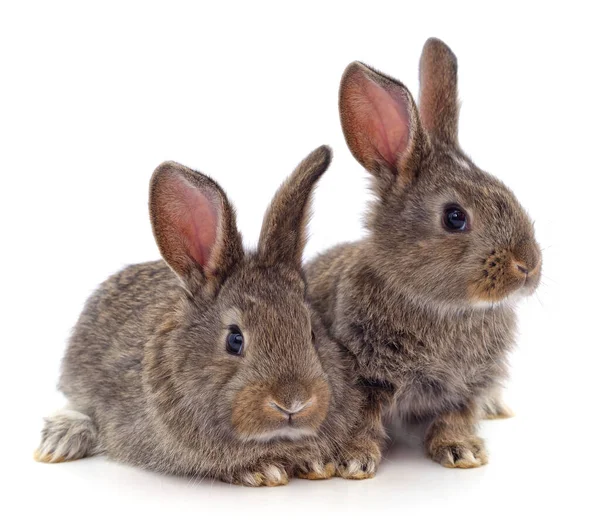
column 283, row 233
column 194, row 225
column 438, row 98
column 381, row 124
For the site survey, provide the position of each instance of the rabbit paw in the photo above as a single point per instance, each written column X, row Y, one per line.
column 468, row 452
column 68, row 435
column 359, row 461
column 267, row 476
column 316, row 470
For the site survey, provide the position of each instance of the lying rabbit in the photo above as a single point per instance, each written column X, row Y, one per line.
column 425, row 304
column 207, row 363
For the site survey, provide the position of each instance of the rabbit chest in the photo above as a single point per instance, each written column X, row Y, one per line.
column 434, row 364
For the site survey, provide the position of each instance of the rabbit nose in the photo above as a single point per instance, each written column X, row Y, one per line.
column 522, row 269
column 293, row 408
column 526, row 259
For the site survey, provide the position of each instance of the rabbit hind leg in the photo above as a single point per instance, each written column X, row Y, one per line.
column 67, row 435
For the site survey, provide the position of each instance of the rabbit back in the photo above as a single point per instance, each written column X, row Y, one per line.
column 102, row 371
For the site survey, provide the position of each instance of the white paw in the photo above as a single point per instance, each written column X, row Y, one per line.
column 67, row 435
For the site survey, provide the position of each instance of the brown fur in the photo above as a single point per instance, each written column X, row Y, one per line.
column 147, row 374
column 427, row 314
column 255, row 408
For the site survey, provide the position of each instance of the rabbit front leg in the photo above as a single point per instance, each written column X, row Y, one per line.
column 359, row 458
column 452, row 442
column 265, row 475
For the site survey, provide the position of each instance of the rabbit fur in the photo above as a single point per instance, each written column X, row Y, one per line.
column 149, row 373
column 426, row 312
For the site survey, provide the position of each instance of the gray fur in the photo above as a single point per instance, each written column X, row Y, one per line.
column 147, row 365
column 426, row 314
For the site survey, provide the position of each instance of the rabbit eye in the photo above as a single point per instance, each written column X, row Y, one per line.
column 455, row 218
column 235, row 341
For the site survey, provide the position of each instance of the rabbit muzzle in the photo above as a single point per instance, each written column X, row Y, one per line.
column 287, row 409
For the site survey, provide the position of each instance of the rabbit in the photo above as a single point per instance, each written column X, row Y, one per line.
column 425, row 303
column 207, row 363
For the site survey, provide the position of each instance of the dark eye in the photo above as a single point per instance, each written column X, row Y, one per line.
column 455, row 218
column 235, row 341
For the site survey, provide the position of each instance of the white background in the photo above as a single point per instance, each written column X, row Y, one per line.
column 93, row 98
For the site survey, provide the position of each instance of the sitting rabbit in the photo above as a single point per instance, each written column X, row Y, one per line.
column 425, row 304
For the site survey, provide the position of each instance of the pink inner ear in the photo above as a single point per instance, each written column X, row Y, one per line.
column 381, row 119
column 194, row 216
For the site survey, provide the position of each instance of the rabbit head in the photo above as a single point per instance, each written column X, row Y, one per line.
column 237, row 357
column 444, row 230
